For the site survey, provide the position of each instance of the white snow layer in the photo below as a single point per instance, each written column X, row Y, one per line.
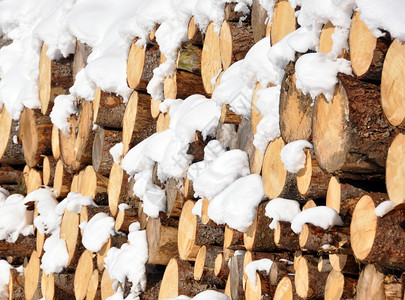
column 64, row 106
column 74, row 202
column 56, row 256
column 5, row 268
column 236, row 205
column 257, row 265
column 280, row 209
column 384, row 208
column 97, row 231
column 15, row 219
column 321, row 216
column 205, row 295
column 293, row 155
column 117, row 151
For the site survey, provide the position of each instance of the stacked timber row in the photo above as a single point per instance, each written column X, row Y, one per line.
column 356, row 163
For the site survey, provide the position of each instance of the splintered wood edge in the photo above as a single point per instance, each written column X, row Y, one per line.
column 392, row 89
column 169, row 287
column 284, row 290
column 204, row 211
column 135, row 64
column 395, row 170
column 333, row 195
column 304, row 175
column 44, row 79
column 273, row 172
column 362, row 43
column 114, row 188
column 187, row 232
column 363, row 227
column 153, row 235
column 277, row 234
column 96, row 104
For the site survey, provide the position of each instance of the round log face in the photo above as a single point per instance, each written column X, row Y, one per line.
column 334, row 193
column 361, row 44
column 301, row 277
column 363, row 227
column 5, row 125
column 284, row 290
column 392, row 88
column 29, row 134
column 44, row 79
column 283, row 21
column 274, row 175
column 395, row 170
column 187, row 232
column 135, row 64
column 169, row 287
column 325, row 40
column 304, row 175
column 334, row 285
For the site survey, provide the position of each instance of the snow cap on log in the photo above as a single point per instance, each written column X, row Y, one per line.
column 280, row 209
column 321, row 216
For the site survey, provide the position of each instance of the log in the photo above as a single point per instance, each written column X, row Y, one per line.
column 85, row 134
column 140, row 65
column 108, row 109
column 211, row 63
column 309, row 282
column 174, row 197
column 82, row 52
column 233, row 239
column 11, row 151
column 67, row 146
column 312, row 182
column 93, row 291
column 194, row 34
column 162, row 122
column 370, row 284
column 359, row 140
column 23, row 247
column 62, row 180
column 162, row 241
column 339, row 286
column 259, row 237
column 142, row 216
column 138, row 123
column 259, row 20
column 228, row 116
column 16, row 285
column 34, row 181
column 55, row 78
column 236, row 39
column 186, row 80
column 255, row 115
column 367, row 52
column 31, row 276
column 154, row 108
column 69, row 231
column 261, row 290
column 295, row 109
column 278, row 182
column 235, row 16
column 9, row 175
column 279, row 270
column 125, row 218
column 221, row 268
column 391, row 90
column 48, row 170
column 285, row 238
column 94, row 185
column 83, row 273
column 188, row 189
column 394, row 174
column 106, row 285
column 283, row 21
column 285, row 289
column 344, row 263
column 326, row 41
column 104, row 140
column 256, row 162
column 178, row 280
column 205, row 262
column 332, row 240
column 55, row 142
column 236, row 277
column 375, row 239
column 117, row 188
column 35, row 135
column 324, row 264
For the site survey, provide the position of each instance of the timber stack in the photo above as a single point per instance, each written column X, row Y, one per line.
column 356, row 163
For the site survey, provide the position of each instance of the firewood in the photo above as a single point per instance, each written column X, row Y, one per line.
column 205, row 260
column 162, row 122
column 186, row 80
column 360, row 136
column 142, row 216
column 106, row 285
column 48, row 170
column 395, row 170
column 339, row 286
column 295, row 109
column 108, row 109
column 236, row 39
column 378, row 239
column 279, row 270
column 260, row 26
column 174, row 198
column 31, row 276
column 94, row 185
column 283, row 21
column 194, row 34
column 67, row 146
column 256, row 161
column 235, row 16
column 332, row 240
column 35, row 134
column 326, row 41
column 125, row 218
column 83, row 274
column 367, row 52
column 62, row 180
column 391, row 90
column 104, row 140
column 154, row 108
column 16, row 285
column 370, row 284
column 344, row 263
column 309, row 282
column 23, row 247
column 312, row 182
column 85, row 134
column 55, row 78
column 262, row 290
column 228, row 116
column 324, row 264
column 285, row 238
column 117, row 188
column 11, row 150
column 162, row 241
column 55, row 142
column 188, row 189
column 93, row 291
column 34, row 180
column 255, row 114
column 278, row 182
column 233, row 239
column 178, row 280
column 210, row 59
column 137, row 123
column 69, row 231
column 82, row 52
column 285, row 289
column 259, row 237
column 236, row 277
column 140, row 65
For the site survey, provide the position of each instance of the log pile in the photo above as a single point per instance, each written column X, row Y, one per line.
column 357, row 161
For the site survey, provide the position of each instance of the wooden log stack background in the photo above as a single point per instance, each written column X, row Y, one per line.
column 358, row 161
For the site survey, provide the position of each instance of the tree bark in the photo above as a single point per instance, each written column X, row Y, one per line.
column 108, row 109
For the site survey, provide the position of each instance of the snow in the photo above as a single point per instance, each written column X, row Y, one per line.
column 123, row 206
column 5, row 268
column 197, row 208
column 321, row 216
column 136, row 252
column 205, row 295
column 236, row 205
column 15, row 219
column 384, row 208
column 97, row 231
column 3, row 196
column 280, row 209
column 56, row 257
column 257, row 265
column 316, row 74
column 117, row 151
column 293, row 155
column 269, row 7
column 386, row 15
column 64, row 107
column 74, row 202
